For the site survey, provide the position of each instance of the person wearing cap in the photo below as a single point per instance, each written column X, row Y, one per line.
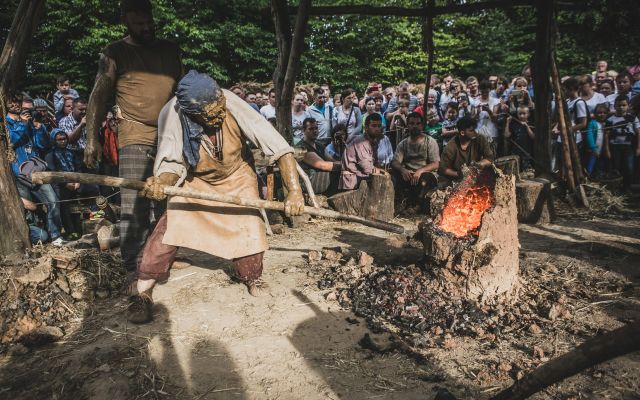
column 202, row 146
column 41, row 108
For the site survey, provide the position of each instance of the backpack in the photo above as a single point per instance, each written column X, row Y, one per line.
column 27, row 168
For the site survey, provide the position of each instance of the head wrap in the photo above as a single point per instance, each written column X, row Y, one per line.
column 197, row 94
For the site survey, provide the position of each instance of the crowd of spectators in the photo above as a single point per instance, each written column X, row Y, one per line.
column 420, row 136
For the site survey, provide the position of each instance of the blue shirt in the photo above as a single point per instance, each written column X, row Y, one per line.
column 27, row 141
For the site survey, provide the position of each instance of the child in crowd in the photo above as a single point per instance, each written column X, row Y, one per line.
column 522, row 135
column 519, row 96
column 64, row 92
column 622, row 131
column 449, row 129
column 595, row 137
column 434, row 127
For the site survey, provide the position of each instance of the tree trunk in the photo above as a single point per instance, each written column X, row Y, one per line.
column 288, row 67
column 427, row 41
column 14, row 232
column 545, row 42
column 534, row 201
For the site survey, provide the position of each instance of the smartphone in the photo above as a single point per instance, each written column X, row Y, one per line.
column 517, row 93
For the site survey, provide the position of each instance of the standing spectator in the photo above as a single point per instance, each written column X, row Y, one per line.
column 323, row 114
column 337, row 100
column 66, row 110
column 259, row 100
column 403, row 91
column 591, row 97
column 595, row 139
column 269, row 111
column 446, row 94
column 27, row 142
column 349, row 114
column 473, row 89
column 141, row 72
column 64, row 92
column 388, row 94
column 398, row 124
column 601, row 67
column 335, row 149
column 416, row 161
column 622, row 131
column 360, row 157
column 500, row 92
column 449, row 125
column 75, row 127
column 327, row 91
column 42, row 109
column 322, row 171
column 430, row 105
column 520, row 96
column 518, row 130
column 487, row 110
column 298, row 115
column 465, row 107
column 370, row 104
column 624, row 83
column 251, row 99
column 239, row 91
column 606, row 88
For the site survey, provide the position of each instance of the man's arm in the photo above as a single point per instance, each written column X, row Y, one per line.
column 74, row 135
column 103, row 90
column 315, row 162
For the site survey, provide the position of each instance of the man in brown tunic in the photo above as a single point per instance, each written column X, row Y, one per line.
column 202, row 145
column 468, row 148
column 141, row 72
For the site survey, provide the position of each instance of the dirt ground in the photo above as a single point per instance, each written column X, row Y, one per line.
column 211, row 340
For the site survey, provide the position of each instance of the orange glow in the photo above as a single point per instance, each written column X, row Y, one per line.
column 463, row 212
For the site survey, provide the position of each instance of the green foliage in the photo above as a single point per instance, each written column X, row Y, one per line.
column 234, row 41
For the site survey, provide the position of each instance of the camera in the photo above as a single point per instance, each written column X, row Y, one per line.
column 37, row 116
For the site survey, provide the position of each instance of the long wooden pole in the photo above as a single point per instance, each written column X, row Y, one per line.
column 102, row 180
column 564, row 134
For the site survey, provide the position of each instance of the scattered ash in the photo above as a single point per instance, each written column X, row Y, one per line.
column 43, row 294
column 409, row 300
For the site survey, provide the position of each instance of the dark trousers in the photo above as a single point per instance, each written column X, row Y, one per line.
column 158, row 257
column 622, row 157
column 136, row 162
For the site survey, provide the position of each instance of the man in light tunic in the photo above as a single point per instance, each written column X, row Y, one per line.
column 202, row 134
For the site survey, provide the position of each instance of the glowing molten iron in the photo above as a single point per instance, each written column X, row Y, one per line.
column 462, row 214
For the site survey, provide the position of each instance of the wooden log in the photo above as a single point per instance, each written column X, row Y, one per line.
column 594, row 351
column 379, row 199
column 534, row 201
column 509, row 165
column 66, row 261
column 61, row 177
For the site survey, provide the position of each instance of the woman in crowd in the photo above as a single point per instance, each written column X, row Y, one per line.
column 298, row 115
column 370, row 104
column 349, row 114
column 591, row 97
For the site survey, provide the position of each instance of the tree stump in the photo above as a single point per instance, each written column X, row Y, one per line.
column 534, row 201
column 373, row 199
column 482, row 262
column 509, row 165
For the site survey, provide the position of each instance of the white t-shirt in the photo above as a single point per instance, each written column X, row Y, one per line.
column 596, row 99
column 612, row 100
column 296, row 124
column 485, row 124
column 268, row 111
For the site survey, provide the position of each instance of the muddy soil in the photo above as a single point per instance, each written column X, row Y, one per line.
column 211, row 340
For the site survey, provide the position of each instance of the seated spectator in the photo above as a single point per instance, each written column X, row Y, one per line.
column 416, row 161
column 349, row 114
column 269, row 111
column 590, row 96
column 335, row 149
column 424, row 109
column 298, row 115
column 28, row 141
column 468, row 148
column 359, row 160
column 251, row 99
column 449, row 125
column 259, row 100
column 238, row 91
column 67, row 108
column 522, row 135
column 379, row 100
column 322, row 172
column 64, row 92
column 75, row 125
column 622, row 131
column 398, row 121
column 42, row 114
column 595, row 139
